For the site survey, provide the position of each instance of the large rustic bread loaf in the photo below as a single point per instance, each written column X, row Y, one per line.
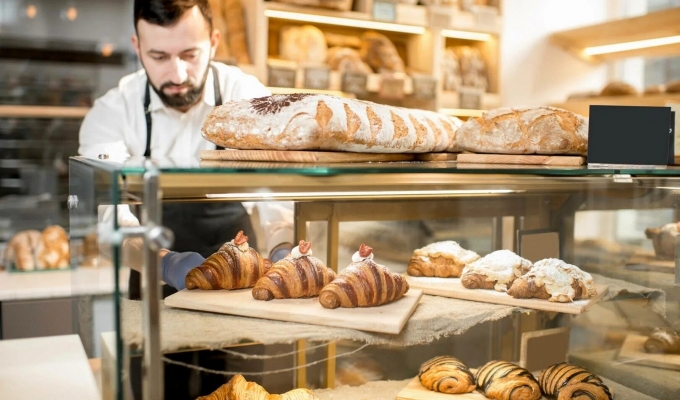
column 322, row 122
column 537, row 130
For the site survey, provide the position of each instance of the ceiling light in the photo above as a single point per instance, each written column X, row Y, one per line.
column 31, row 11
column 626, row 46
column 450, row 33
column 355, row 23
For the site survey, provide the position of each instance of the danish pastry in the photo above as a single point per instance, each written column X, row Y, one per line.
column 501, row 380
column 554, row 280
column 446, row 375
column 496, row 270
column 441, row 259
column 570, row 382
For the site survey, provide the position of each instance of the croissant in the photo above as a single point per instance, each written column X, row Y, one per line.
column 446, row 375
column 501, row 380
column 569, row 382
column 238, row 388
column 22, row 251
column 496, row 270
column 234, row 266
column 554, row 280
column 298, row 275
column 441, row 259
column 363, row 284
column 663, row 341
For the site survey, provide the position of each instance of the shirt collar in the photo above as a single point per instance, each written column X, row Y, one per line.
column 208, row 94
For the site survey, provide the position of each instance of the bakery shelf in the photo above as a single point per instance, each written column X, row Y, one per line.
column 583, row 41
column 582, row 106
column 19, row 111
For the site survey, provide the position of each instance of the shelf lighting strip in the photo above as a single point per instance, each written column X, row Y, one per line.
column 350, row 194
column 479, row 36
column 627, row 46
column 355, row 23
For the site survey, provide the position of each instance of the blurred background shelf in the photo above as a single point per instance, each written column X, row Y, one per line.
column 18, row 111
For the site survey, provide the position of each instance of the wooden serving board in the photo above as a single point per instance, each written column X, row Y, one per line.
column 416, row 391
column 633, row 351
column 521, row 159
column 300, row 156
column 451, row 287
column 388, row 318
column 437, row 157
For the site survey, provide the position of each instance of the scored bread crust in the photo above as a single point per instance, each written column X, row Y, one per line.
column 534, row 130
column 323, row 122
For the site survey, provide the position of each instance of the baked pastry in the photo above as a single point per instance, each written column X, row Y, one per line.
column 441, row 259
column 238, row 388
column 618, row 89
column 235, row 266
column 496, row 270
column 501, row 380
column 655, row 89
column 298, row 275
column 532, row 130
column 53, row 249
column 322, row 122
column 446, row 375
column 673, row 87
column 663, row 341
column 663, row 239
column 21, row 250
column 554, row 280
column 566, row 382
column 363, row 284
column 346, row 59
column 379, row 53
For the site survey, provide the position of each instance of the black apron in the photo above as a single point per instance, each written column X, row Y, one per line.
column 198, row 227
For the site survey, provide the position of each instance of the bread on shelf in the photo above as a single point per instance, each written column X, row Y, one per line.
column 446, row 374
column 664, row 341
column 663, row 239
column 445, row 259
column 496, row 270
column 554, row 280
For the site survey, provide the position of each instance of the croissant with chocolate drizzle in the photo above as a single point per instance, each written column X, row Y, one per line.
column 570, row 382
column 364, row 283
column 235, row 266
column 501, row 380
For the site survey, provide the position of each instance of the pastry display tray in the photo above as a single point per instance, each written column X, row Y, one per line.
column 388, row 318
column 633, row 352
column 451, row 287
column 521, row 159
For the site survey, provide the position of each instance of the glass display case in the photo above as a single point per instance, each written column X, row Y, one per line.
column 618, row 225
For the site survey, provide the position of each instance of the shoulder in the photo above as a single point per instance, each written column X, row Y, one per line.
column 130, row 89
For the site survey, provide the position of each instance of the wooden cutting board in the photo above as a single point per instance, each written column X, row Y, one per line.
column 300, row 156
column 521, row 159
column 633, row 351
column 451, row 287
column 388, row 318
column 437, row 157
column 416, row 391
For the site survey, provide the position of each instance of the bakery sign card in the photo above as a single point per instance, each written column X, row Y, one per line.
column 631, row 135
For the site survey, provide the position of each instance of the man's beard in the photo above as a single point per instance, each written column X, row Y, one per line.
column 181, row 100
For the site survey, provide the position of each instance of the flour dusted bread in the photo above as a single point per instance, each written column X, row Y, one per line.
column 554, row 280
column 535, row 130
column 444, row 259
column 322, row 122
column 496, row 270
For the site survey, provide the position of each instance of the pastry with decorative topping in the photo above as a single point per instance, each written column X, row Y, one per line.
column 663, row 341
column 296, row 276
column 235, row 266
column 446, row 374
column 570, row 382
column 496, row 270
column 364, row 283
column 554, row 280
column 501, row 380
column 444, row 259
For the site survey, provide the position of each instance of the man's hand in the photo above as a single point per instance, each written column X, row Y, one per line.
column 175, row 267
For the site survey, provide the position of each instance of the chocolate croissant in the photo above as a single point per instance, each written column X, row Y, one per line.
column 663, row 341
column 234, row 266
column 564, row 381
column 501, row 380
column 239, row 388
column 296, row 276
column 363, row 284
column 446, row 375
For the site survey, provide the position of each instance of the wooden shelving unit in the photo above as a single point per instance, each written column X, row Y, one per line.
column 659, row 24
column 18, row 111
column 582, row 106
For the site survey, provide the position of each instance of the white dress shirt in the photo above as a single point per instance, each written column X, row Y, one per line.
column 116, row 124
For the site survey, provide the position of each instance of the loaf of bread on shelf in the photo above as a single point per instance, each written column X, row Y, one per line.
column 380, row 53
column 364, row 283
column 618, row 89
column 450, row 71
column 496, row 270
column 303, row 44
column 665, row 341
column 446, row 375
column 501, row 380
column 21, row 251
column 472, row 67
column 654, row 89
column 445, row 259
column 554, row 280
column 234, row 266
column 346, row 59
column 53, row 248
column 342, row 5
column 663, row 239
column 238, row 388
column 532, row 130
column 673, row 87
column 323, row 122
column 564, row 381
column 296, row 276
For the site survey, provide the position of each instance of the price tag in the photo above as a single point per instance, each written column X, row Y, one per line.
column 384, row 11
column 354, row 82
column 440, row 17
column 392, row 87
column 281, row 77
column 317, row 78
column 425, row 87
column 470, row 98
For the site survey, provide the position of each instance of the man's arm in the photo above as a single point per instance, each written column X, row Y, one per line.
column 102, row 130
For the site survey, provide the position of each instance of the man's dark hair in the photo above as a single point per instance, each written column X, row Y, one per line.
column 168, row 12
